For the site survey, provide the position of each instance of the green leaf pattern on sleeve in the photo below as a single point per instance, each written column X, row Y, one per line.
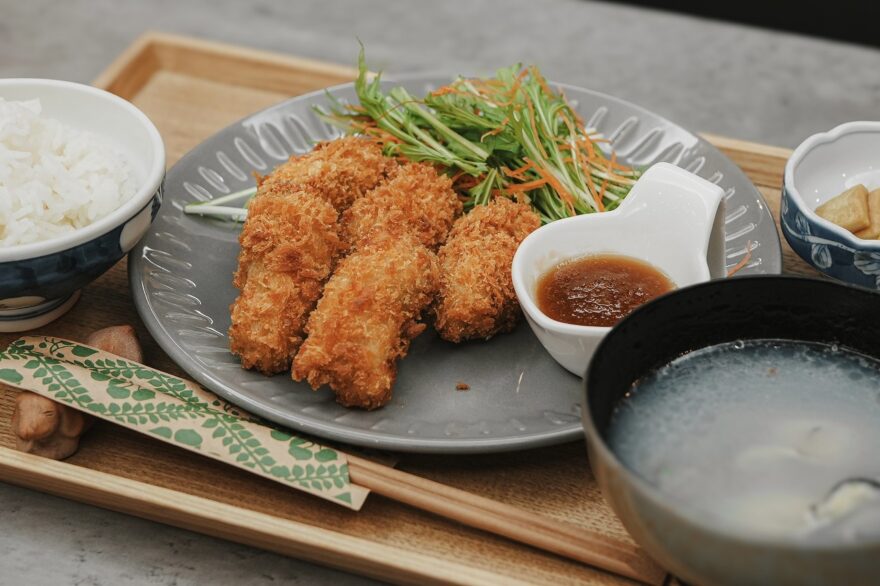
column 176, row 411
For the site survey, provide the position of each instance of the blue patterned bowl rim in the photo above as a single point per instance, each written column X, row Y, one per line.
column 790, row 188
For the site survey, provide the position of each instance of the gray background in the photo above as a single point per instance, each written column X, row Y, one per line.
column 727, row 79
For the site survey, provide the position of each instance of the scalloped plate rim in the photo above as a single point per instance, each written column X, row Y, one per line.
column 771, row 256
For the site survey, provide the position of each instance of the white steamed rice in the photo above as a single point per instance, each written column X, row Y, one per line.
column 54, row 178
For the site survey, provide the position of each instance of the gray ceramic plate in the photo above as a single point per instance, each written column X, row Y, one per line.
column 181, row 278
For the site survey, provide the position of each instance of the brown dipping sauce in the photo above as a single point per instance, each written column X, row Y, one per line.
column 599, row 290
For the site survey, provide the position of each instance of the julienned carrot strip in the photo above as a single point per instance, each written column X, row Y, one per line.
column 571, row 144
column 743, row 261
column 621, row 166
column 600, row 198
column 603, row 165
column 613, row 164
column 498, row 130
column 591, row 150
column 567, row 198
column 611, row 174
column 607, row 164
column 498, row 103
column 577, row 154
column 517, row 172
column 577, row 117
column 527, row 186
column 519, row 176
column 517, row 83
column 478, row 81
column 483, row 93
column 534, row 127
column 528, row 165
column 600, row 206
column 448, row 89
column 536, row 75
column 587, row 143
column 596, row 199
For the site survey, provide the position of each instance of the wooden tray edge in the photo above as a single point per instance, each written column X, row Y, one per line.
column 152, row 51
column 764, row 164
column 202, row 515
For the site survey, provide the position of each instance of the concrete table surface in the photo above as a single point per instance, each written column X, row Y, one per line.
column 743, row 82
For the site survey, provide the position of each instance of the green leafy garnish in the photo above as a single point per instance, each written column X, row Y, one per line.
column 510, row 135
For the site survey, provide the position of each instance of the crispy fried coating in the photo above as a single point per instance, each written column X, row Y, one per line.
column 476, row 298
column 289, row 245
column 341, row 170
column 415, row 196
column 367, row 317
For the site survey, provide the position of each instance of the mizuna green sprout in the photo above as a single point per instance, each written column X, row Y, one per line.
column 511, row 135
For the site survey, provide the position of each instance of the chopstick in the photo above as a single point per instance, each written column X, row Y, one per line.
column 589, row 547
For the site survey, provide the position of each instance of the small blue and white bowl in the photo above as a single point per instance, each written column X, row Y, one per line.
column 39, row 282
column 822, row 167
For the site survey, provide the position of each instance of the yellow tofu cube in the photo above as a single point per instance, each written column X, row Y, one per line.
column 873, row 230
column 848, row 210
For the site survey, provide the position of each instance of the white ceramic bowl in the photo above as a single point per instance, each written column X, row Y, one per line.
column 820, row 168
column 671, row 219
column 39, row 281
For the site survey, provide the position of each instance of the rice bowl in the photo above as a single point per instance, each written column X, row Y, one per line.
column 90, row 211
column 54, row 178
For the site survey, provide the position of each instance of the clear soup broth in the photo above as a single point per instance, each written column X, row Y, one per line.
column 753, row 435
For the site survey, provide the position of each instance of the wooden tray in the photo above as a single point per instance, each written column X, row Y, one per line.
column 191, row 89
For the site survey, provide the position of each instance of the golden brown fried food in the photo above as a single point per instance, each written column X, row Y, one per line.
column 367, row 317
column 415, row 196
column 340, row 170
column 289, row 245
column 476, row 298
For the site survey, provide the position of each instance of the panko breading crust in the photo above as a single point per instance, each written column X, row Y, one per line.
column 289, row 245
column 367, row 317
column 341, row 170
column 415, row 196
column 476, row 298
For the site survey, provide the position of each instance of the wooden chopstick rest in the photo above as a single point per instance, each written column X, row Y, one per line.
column 52, row 430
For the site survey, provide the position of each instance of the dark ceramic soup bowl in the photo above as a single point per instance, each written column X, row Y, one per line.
column 692, row 318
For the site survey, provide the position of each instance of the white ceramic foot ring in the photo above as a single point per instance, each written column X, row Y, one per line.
column 37, row 316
